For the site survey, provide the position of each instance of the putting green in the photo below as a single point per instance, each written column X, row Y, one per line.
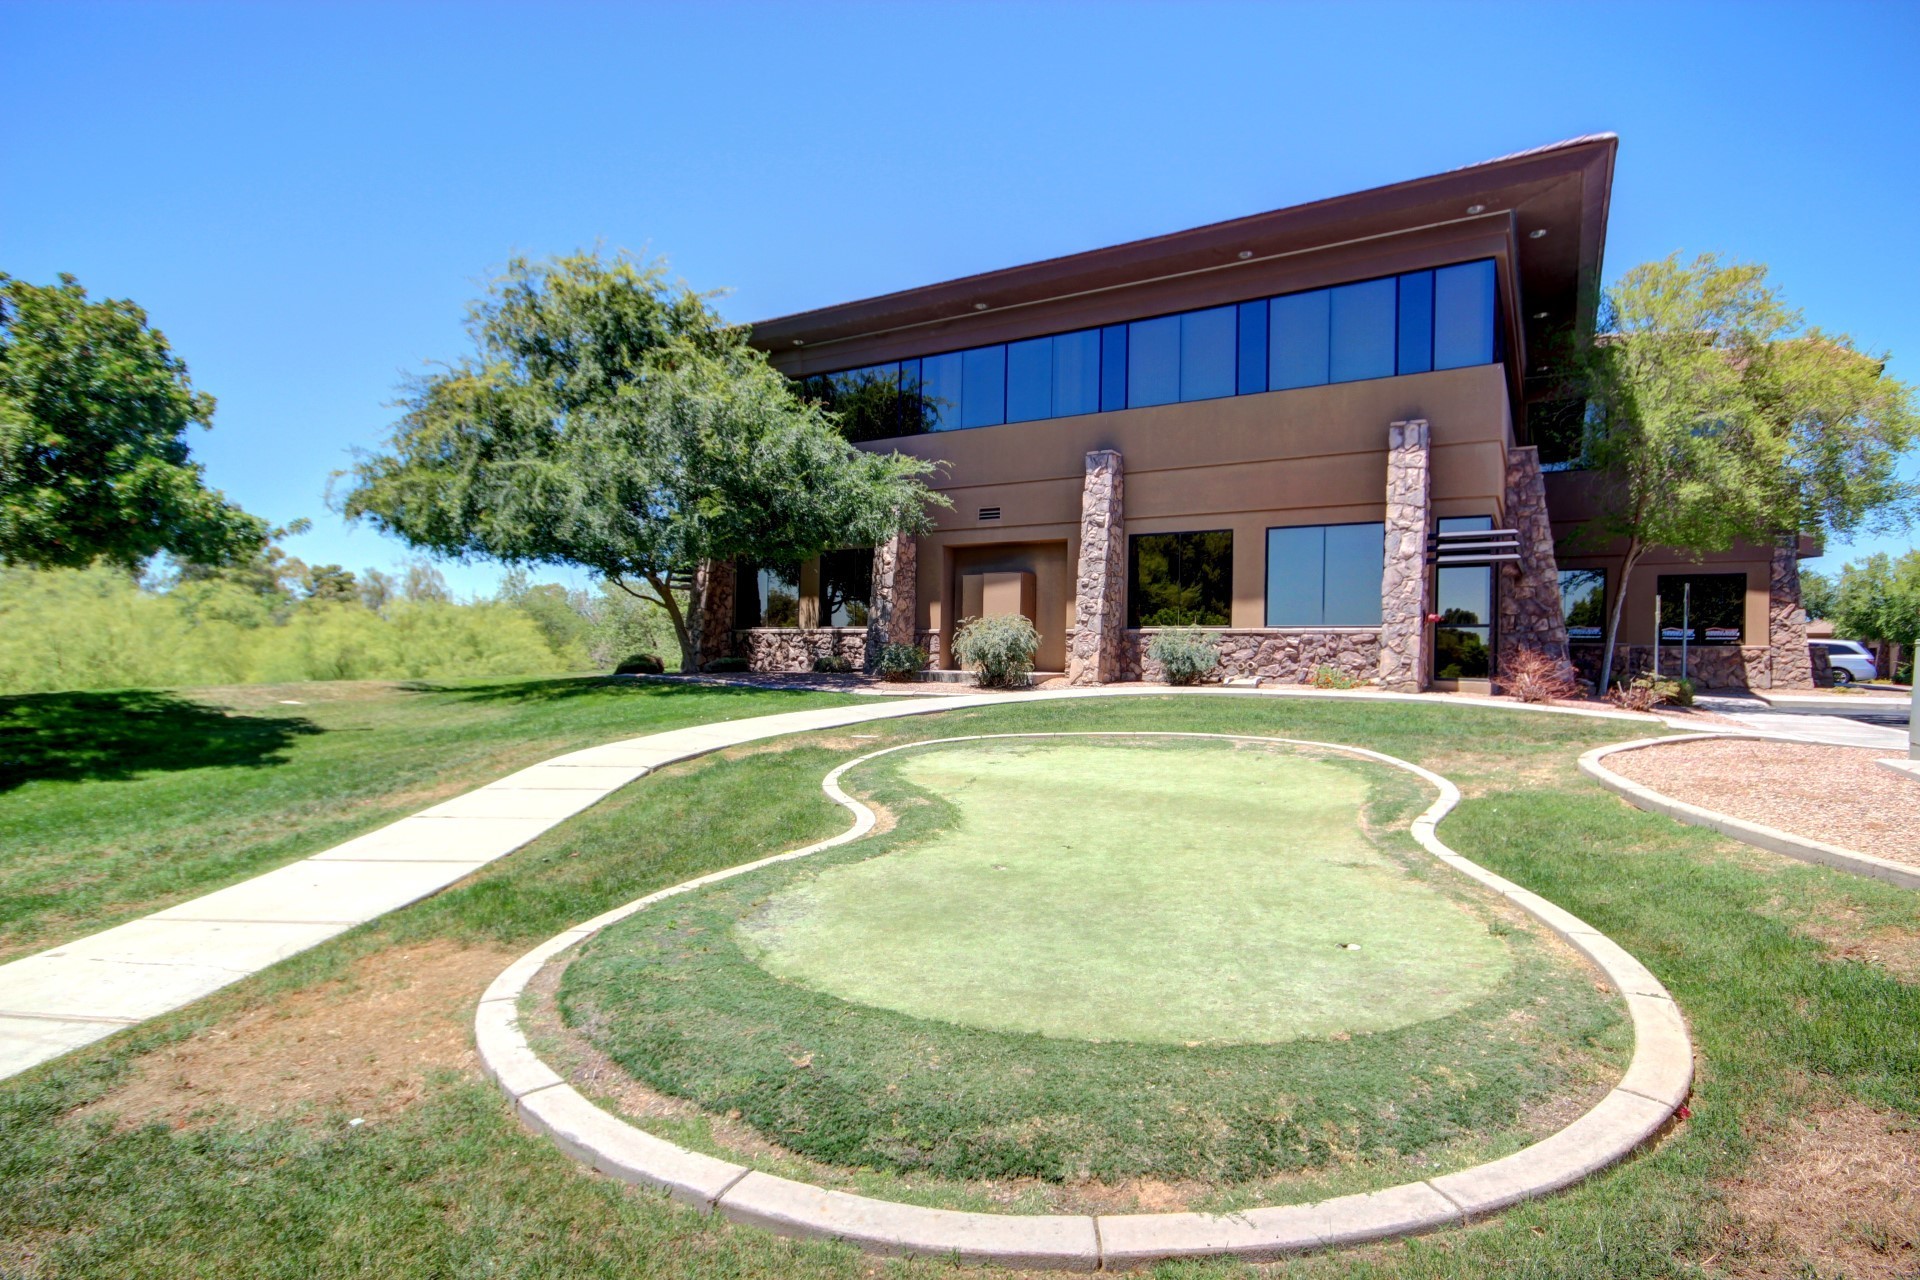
column 1153, row 890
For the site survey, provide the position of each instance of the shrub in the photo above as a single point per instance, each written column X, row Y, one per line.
column 1534, row 675
column 1646, row 691
column 1186, row 655
column 1327, row 677
column 722, row 665
column 998, row 648
column 832, row 664
column 641, row 664
column 901, row 661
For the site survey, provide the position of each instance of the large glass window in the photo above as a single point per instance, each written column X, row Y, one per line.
column 846, row 587
column 766, row 595
column 940, row 385
column 1153, row 361
column 1030, row 380
column 1180, row 579
column 1583, row 603
column 1207, row 349
column 1463, row 315
column 1463, row 640
column 1410, row 323
column 1298, row 351
column 1325, row 575
column 1076, row 373
column 1362, row 343
column 1703, row 608
column 983, row 387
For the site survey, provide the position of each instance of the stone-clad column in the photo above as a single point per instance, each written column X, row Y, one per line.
column 890, row 615
column 1786, row 620
column 713, row 590
column 1530, row 614
column 1100, row 592
column 1404, row 597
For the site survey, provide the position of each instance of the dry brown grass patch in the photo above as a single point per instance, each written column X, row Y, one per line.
column 1838, row 1188
column 364, row 1045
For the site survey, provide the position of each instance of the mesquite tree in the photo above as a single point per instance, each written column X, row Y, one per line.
column 610, row 419
column 1714, row 416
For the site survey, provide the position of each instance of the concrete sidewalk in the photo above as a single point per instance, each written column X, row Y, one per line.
column 1814, row 720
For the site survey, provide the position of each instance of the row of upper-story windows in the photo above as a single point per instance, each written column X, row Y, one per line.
column 1445, row 318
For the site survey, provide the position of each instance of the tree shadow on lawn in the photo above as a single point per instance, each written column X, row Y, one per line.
column 112, row 736
column 559, row 688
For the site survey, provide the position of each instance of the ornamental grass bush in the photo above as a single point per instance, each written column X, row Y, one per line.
column 1534, row 675
column 1187, row 655
column 899, row 662
column 832, row 664
column 1646, row 691
column 998, row 648
column 1331, row 677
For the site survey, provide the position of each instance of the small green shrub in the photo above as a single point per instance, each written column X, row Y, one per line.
column 719, row 666
column 641, row 664
column 1186, row 655
column 832, row 664
column 1330, row 677
column 998, row 648
column 901, row 661
column 1646, row 691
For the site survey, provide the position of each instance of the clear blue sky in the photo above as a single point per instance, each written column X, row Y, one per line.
column 305, row 197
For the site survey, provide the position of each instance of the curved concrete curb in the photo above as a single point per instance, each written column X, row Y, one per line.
column 1772, row 839
column 1657, row 1082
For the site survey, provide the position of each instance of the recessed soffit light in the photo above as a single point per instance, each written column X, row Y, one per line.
column 1539, row 315
column 1245, row 254
column 1537, row 234
column 799, row 342
column 979, row 306
column 1476, row 208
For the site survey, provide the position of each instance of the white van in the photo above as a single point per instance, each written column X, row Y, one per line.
column 1849, row 659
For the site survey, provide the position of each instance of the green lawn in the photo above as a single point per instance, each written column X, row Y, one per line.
column 119, row 803
column 1786, row 971
column 1089, row 960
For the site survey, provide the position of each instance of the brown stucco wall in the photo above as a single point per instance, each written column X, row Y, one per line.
column 1316, row 455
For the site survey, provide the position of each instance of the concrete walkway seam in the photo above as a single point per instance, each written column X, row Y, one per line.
column 1772, row 839
column 1657, row 1082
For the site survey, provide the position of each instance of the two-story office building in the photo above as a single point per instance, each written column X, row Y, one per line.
column 1316, row 432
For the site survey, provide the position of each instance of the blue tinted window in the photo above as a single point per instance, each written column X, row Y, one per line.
column 1363, row 337
column 983, row 393
column 1076, row 373
column 1299, row 341
column 1253, row 348
column 1416, row 322
column 1356, row 561
column 1153, row 361
column 1029, row 380
column 940, row 389
column 1295, row 567
column 1113, row 367
column 1463, row 315
column 1325, row 575
column 1207, row 353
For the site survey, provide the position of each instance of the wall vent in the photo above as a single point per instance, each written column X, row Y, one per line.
column 989, row 513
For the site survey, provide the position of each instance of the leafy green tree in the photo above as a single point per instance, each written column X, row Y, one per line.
column 1716, row 417
column 94, row 465
column 611, row 420
column 1817, row 593
column 1879, row 599
column 329, row 582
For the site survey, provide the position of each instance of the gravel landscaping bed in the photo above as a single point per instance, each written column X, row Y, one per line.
column 1833, row 794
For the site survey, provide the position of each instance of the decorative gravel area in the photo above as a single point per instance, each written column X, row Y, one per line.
column 1833, row 794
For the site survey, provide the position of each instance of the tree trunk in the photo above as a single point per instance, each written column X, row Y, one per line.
column 689, row 658
column 1613, row 623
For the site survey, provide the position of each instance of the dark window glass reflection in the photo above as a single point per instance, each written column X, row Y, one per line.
column 983, row 391
column 1583, row 602
column 1113, row 367
column 1463, row 315
column 1356, row 560
column 1416, row 322
column 846, row 587
column 1251, row 378
column 1207, row 353
column 1180, row 579
column 940, row 385
column 1076, row 373
column 1325, row 575
column 1703, row 608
